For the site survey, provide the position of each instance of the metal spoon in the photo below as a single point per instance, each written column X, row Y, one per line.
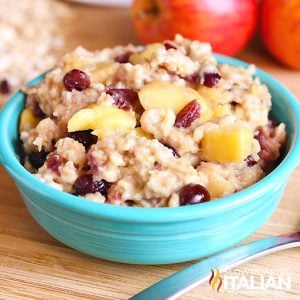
column 182, row 281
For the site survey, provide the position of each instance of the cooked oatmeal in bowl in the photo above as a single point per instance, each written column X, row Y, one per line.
column 151, row 127
column 162, row 125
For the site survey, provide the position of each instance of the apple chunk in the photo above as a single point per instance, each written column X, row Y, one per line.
column 103, row 120
column 141, row 133
column 214, row 95
column 160, row 94
column 228, row 144
column 145, row 55
column 28, row 120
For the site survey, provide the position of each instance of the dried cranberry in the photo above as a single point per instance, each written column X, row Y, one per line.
column 188, row 114
column 193, row 194
column 169, row 45
column 157, row 165
column 54, row 162
column 53, row 147
column 123, row 58
column 234, row 104
column 4, row 87
column 211, row 79
column 38, row 158
column 192, row 78
column 272, row 121
column 36, row 110
column 130, row 203
column 84, row 137
column 270, row 146
column 250, row 161
column 124, row 98
column 85, row 184
column 174, row 151
column 76, row 79
column 86, row 168
column 261, row 136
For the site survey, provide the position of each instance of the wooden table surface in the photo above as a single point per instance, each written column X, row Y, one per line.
column 33, row 265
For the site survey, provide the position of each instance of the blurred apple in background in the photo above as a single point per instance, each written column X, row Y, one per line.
column 226, row 24
column 280, row 30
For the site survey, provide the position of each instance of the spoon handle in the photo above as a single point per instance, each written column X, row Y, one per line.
column 182, row 281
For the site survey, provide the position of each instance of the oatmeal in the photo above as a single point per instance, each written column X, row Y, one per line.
column 161, row 125
column 31, row 36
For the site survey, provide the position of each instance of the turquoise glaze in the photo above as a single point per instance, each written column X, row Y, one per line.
column 153, row 235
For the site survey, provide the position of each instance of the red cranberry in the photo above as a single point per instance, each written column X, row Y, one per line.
column 250, row 161
column 84, row 137
column 188, row 114
column 54, row 162
column 174, row 151
column 38, row 158
column 157, row 165
column 272, row 121
column 124, row 98
column 234, row 104
column 192, row 78
column 4, row 87
column 76, row 79
column 270, row 146
column 53, row 147
column 193, row 194
column 129, row 203
column 85, row 184
column 260, row 136
column 211, row 79
column 123, row 58
column 36, row 110
column 169, row 45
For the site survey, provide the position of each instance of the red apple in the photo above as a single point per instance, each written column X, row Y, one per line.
column 226, row 24
column 280, row 30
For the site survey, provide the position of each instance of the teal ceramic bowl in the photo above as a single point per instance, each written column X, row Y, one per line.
column 153, row 235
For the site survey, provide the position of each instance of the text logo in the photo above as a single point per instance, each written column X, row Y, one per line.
column 262, row 279
column 252, row 279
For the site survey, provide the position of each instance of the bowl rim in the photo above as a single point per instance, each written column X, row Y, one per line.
column 152, row 215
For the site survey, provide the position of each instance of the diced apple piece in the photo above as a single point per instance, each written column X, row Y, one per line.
column 28, row 120
column 214, row 95
column 145, row 55
column 218, row 187
column 150, row 49
column 228, row 144
column 140, row 132
column 113, row 119
column 104, row 71
column 221, row 110
column 160, row 94
column 103, row 120
column 84, row 119
column 136, row 58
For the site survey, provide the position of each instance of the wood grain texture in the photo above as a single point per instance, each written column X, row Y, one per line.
column 33, row 265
